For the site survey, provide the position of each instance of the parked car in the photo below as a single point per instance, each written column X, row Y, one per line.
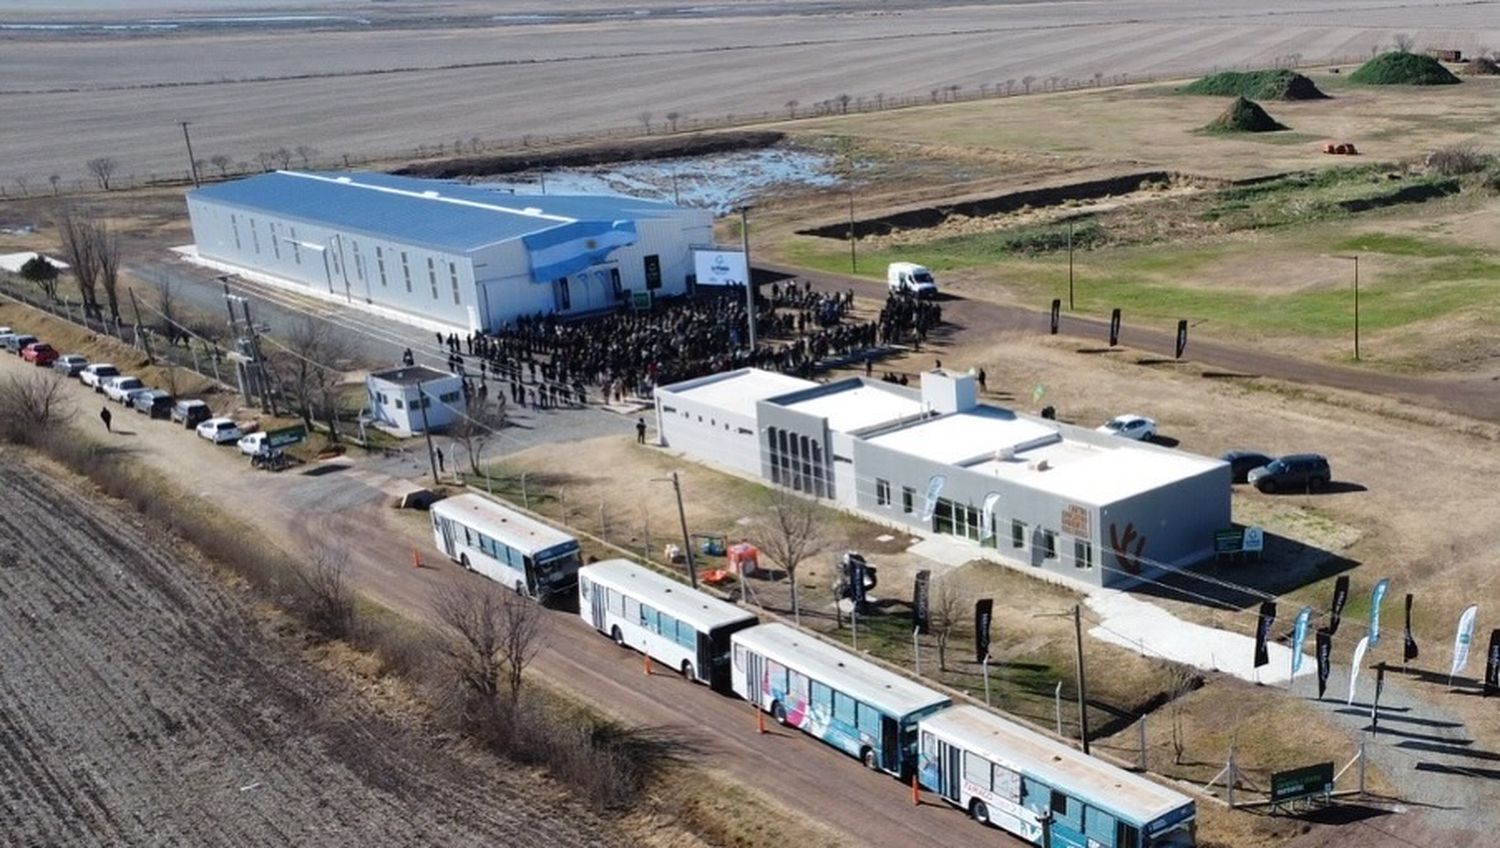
column 1136, row 427
column 1294, row 473
column 119, row 389
column 70, row 364
column 17, row 342
column 219, row 431
column 6, row 336
column 253, row 443
column 40, row 354
column 95, row 375
column 910, row 278
column 1242, row 462
column 156, row 403
column 5, row 331
column 191, row 413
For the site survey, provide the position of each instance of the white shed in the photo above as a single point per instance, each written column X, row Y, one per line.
column 393, row 399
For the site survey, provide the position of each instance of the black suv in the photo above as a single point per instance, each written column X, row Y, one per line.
column 1295, row 473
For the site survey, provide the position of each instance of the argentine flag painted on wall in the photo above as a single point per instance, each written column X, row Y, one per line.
column 569, row 248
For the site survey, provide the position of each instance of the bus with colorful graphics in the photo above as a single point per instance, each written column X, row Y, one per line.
column 686, row 630
column 866, row 711
column 1042, row 790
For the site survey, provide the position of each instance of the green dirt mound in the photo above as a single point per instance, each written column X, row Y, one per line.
column 1397, row 68
column 1482, row 67
column 1258, row 85
column 1244, row 116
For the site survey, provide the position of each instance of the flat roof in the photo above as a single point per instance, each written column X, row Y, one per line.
column 682, row 602
column 410, row 375
column 487, row 516
column 1054, row 763
column 962, row 437
column 858, row 678
column 855, row 406
column 1096, row 474
column 736, row 392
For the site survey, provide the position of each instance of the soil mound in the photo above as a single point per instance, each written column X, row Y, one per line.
column 1482, row 67
column 1244, row 116
column 1397, row 68
column 1258, row 85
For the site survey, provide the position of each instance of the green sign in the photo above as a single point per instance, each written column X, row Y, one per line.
column 1301, row 783
column 285, row 436
column 640, row 301
column 1229, row 541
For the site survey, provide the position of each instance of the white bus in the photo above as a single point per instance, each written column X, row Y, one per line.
column 512, row 549
column 1021, row 781
column 852, row 704
column 685, row 630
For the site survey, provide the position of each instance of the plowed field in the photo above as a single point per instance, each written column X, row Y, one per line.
column 142, row 703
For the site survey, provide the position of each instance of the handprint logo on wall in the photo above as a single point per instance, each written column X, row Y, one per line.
column 1120, row 543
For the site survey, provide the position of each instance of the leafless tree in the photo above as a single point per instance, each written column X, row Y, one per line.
column 646, row 121
column 1182, row 683
column 266, row 160
column 170, row 323
column 789, row 531
column 327, row 600
column 23, row 184
column 103, row 169
column 81, row 248
column 31, row 404
column 312, row 366
column 109, row 266
column 478, row 427
column 1026, row 82
column 1010, row 85
column 283, row 157
column 476, row 144
column 946, row 611
column 492, row 638
column 1403, row 42
column 843, row 101
column 672, row 119
column 791, row 108
column 221, row 162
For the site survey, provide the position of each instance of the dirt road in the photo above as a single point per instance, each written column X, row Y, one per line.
column 140, row 704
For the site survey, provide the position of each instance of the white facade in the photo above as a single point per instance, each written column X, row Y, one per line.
column 392, row 399
column 714, row 417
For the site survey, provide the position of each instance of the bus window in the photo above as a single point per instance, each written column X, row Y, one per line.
column 843, row 708
column 776, row 673
column 929, row 742
column 821, row 695
column 583, row 589
column 1127, row 836
column 1006, row 783
column 977, row 770
column 869, row 721
column 647, row 617
column 632, row 609
column 739, row 656
column 1098, row 825
column 1035, row 795
column 687, row 637
column 1067, row 811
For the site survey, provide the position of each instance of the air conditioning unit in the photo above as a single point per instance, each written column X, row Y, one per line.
column 1040, row 465
column 1005, row 454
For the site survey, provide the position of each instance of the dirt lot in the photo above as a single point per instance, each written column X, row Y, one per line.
column 144, row 703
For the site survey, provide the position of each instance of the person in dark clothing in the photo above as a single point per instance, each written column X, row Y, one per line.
column 869, row 364
column 408, row 358
column 106, row 418
column 640, row 431
column 903, row 379
column 980, row 377
column 441, row 341
column 439, row 452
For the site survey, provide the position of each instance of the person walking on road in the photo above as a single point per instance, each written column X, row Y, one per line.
column 640, row 431
column 106, row 418
column 441, row 469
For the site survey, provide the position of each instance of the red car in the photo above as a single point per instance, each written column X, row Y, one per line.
column 40, row 354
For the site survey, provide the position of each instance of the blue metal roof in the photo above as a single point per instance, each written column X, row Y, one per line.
column 439, row 213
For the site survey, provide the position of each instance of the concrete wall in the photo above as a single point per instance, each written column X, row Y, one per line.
column 1177, row 522
column 707, row 432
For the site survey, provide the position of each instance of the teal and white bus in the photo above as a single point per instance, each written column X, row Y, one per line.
column 854, row 705
column 515, row 550
column 684, row 629
column 1023, row 782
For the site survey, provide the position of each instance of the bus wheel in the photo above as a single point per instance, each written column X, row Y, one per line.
column 687, row 670
column 616, row 635
column 868, row 757
column 463, row 560
column 778, row 712
column 979, row 812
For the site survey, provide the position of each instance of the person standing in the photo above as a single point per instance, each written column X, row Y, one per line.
column 640, row 431
column 439, row 452
column 106, row 417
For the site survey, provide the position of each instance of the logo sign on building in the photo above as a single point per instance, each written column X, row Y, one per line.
column 984, row 611
column 720, row 267
column 1181, row 337
column 1304, row 782
column 920, row 617
column 1075, row 520
column 285, row 436
column 934, row 488
column 1114, row 327
column 1056, row 313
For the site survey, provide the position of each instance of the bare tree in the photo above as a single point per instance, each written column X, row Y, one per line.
column 32, row 404
column 478, row 427
column 56, row 181
column 1026, row 82
column 327, row 599
column 1403, row 42
column 843, row 101
column 307, row 152
column 109, row 266
column 672, row 119
column 791, row 108
column 170, row 325
column 283, row 157
column 492, row 637
column 646, row 121
column 221, row 162
column 1182, row 683
column 23, row 185
column 80, row 248
column 266, row 159
column 946, row 611
column 312, row 365
column 103, row 169
column 789, row 531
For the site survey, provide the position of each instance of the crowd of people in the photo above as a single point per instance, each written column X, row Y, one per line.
column 550, row 362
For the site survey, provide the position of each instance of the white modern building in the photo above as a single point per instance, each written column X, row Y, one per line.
column 443, row 252
column 392, row 397
column 1055, row 497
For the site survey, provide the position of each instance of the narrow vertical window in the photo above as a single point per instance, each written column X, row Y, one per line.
column 254, row 236
column 296, row 247
column 406, row 271
column 380, row 264
column 432, row 276
column 453, row 276
column 234, row 224
column 275, row 242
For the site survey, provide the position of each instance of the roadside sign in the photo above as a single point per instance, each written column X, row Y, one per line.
column 640, row 301
column 286, row 436
column 1229, row 541
column 1302, row 782
column 1253, row 540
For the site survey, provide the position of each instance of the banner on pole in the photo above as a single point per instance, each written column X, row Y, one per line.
column 1359, row 657
column 856, row 579
column 1462, row 638
column 987, row 516
column 1114, row 327
column 1492, row 668
column 1409, row 649
column 1263, row 632
column 1181, row 336
column 920, row 617
column 984, row 610
column 1323, row 651
column 1340, row 596
column 1056, row 314
column 934, row 488
column 1299, row 634
column 1375, row 704
column 1376, row 597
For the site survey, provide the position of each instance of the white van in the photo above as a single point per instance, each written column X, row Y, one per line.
column 910, row 278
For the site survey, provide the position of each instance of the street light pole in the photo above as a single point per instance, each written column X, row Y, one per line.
column 687, row 542
column 192, row 163
column 853, row 260
column 1083, row 712
column 1070, row 266
column 749, row 275
column 427, row 432
column 1356, row 307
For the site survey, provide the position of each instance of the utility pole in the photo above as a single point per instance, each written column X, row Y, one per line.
column 144, row 337
column 266, row 399
column 1083, row 713
column 687, row 542
column 749, row 275
column 192, row 163
column 1356, row 307
column 853, row 261
column 1070, row 266
column 427, row 432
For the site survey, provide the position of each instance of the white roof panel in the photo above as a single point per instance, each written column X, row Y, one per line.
column 859, row 679
column 737, row 391
column 1097, row 475
column 965, row 436
column 682, row 602
column 858, row 407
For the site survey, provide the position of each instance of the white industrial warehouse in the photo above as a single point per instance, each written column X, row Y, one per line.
column 441, row 252
column 1055, row 497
